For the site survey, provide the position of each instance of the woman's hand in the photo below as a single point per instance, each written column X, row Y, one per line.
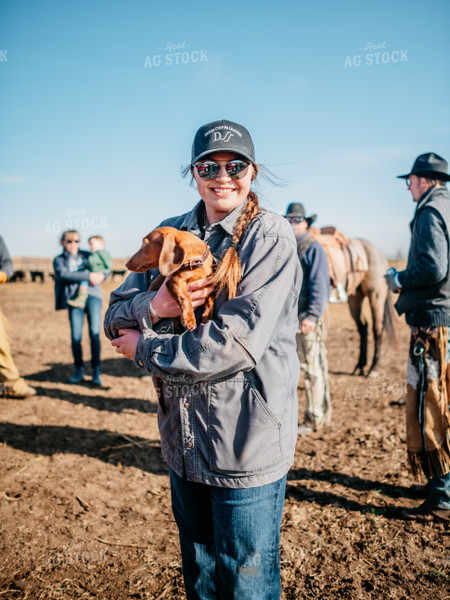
column 165, row 306
column 127, row 342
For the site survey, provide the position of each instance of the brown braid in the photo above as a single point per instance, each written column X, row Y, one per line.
column 228, row 272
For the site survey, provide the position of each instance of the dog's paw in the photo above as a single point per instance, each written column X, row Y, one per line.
column 189, row 322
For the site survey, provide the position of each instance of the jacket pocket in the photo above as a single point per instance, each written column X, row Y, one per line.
column 244, row 435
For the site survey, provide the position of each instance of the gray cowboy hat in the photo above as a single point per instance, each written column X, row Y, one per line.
column 429, row 165
column 296, row 209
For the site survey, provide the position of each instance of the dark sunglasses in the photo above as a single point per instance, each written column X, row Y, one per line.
column 72, row 241
column 295, row 220
column 209, row 170
column 408, row 182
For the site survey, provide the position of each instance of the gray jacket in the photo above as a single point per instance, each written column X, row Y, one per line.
column 425, row 294
column 229, row 388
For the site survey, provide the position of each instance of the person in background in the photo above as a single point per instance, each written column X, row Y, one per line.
column 70, row 269
column 228, row 389
column 311, row 335
column 99, row 261
column 424, row 288
column 11, row 384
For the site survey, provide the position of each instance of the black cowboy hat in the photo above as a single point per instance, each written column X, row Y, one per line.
column 296, row 209
column 429, row 165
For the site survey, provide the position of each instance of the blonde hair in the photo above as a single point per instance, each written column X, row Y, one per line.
column 434, row 182
column 97, row 237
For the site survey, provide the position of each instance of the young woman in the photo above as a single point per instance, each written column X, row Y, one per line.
column 228, row 404
column 69, row 268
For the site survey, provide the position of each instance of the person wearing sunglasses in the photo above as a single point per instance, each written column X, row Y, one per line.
column 311, row 335
column 424, row 298
column 70, row 269
column 228, row 389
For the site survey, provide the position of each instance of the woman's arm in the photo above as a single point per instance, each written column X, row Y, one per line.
column 244, row 327
column 129, row 305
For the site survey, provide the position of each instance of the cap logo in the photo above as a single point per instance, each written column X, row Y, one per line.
column 218, row 137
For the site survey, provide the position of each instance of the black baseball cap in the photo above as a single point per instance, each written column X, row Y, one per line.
column 222, row 136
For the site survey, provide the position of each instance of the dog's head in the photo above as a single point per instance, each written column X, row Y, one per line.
column 161, row 248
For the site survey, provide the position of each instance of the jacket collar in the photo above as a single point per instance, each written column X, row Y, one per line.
column 424, row 198
column 430, row 195
column 194, row 221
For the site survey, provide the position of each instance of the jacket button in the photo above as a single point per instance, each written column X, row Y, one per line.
column 186, row 405
column 189, row 445
column 141, row 364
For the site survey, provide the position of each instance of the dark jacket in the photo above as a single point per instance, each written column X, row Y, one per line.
column 425, row 295
column 6, row 264
column 229, row 387
column 69, row 273
column 316, row 278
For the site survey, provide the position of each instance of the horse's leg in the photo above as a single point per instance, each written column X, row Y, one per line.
column 377, row 302
column 355, row 304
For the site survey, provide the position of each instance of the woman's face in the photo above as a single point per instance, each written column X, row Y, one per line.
column 71, row 243
column 222, row 194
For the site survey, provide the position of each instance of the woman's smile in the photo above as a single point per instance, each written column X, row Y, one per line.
column 224, row 190
column 223, row 194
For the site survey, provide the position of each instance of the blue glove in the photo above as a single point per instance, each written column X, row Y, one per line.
column 392, row 280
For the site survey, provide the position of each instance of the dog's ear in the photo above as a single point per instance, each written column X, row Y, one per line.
column 171, row 257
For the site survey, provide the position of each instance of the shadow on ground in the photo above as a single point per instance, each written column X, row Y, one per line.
column 108, row 446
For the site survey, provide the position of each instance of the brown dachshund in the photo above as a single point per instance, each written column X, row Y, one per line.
column 182, row 257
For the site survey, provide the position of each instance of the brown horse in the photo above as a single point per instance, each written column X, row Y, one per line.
column 358, row 266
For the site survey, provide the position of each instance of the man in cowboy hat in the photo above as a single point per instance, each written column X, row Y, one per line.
column 424, row 288
column 311, row 334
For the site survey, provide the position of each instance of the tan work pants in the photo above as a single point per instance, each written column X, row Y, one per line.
column 312, row 353
column 10, row 381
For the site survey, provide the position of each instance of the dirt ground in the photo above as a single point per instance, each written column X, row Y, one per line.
column 84, row 494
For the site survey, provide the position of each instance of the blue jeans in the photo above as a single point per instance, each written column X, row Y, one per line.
column 439, row 491
column 230, row 539
column 93, row 310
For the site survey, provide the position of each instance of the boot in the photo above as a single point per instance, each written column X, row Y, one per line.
column 80, row 300
column 17, row 391
column 77, row 376
column 96, row 379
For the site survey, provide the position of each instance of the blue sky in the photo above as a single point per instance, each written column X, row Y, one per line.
column 94, row 132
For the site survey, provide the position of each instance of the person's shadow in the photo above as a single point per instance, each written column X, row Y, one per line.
column 60, row 372
column 303, row 493
column 93, row 396
column 108, row 446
